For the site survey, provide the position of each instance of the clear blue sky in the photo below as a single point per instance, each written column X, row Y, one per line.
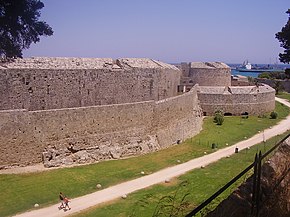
column 172, row 31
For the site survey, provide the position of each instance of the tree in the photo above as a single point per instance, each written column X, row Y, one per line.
column 284, row 39
column 277, row 85
column 287, row 73
column 264, row 75
column 20, row 26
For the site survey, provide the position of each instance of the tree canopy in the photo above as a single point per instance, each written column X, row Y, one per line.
column 284, row 39
column 20, row 26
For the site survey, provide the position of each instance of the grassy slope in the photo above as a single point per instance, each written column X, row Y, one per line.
column 201, row 183
column 284, row 95
column 21, row 192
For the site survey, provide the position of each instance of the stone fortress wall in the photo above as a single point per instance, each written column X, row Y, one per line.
column 235, row 100
column 216, row 93
column 52, row 83
column 34, row 129
column 205, row 74
column 81, row 110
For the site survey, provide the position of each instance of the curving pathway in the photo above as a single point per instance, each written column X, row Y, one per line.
column 111, row 193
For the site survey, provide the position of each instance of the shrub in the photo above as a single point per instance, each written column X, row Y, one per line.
column 287, row 72
column 264, row 75
column 218, row 117
column 274, row 115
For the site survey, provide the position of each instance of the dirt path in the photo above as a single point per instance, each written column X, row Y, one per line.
column 111, row 193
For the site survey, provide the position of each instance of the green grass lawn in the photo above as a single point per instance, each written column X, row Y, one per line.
column 199, row 184
column 284, row 95
column 20, row 192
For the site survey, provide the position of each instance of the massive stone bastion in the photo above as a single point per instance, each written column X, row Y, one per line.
column 53, row 83
column 77, row 110
column 237, row 100
column 205, row 74
column 81, row 110
column 215, row 92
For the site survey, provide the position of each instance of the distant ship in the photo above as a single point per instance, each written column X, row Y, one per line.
column 248, row 67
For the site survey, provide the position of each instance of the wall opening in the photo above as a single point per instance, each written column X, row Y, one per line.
column 228, row 114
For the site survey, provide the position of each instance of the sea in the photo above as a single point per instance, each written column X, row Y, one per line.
column 255, row 74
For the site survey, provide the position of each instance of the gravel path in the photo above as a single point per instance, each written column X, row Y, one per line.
column 111, row 193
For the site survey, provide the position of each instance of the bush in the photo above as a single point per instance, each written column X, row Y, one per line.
column 274, row 115
column 287, row 72
column 218, row 117
column 264, row 75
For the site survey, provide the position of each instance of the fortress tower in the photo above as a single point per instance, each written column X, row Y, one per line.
column 205, row 74
column 216, row 93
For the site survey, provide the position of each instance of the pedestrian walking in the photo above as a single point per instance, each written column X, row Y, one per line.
column 61, row 197
column 66, row 201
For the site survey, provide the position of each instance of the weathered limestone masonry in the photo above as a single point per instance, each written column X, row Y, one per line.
column 235, row 100
column 46, row 132
column 206, row 74
column 216, row 93
column 80, row 110
column 177, row 118
column 52, row 83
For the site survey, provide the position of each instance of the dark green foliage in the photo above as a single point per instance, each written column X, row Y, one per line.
column 264, row 75
column 273, row 115
column 273, row 75
column 277, row 85
column 287, row 73
column 218, row 118
column 284, row 39
column 19, row 26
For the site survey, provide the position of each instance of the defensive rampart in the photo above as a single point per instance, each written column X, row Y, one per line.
column 177, row 118
column 90, row 134
column 53, row 83
column 254, row 100
column 205, row 74
column 81, row 110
